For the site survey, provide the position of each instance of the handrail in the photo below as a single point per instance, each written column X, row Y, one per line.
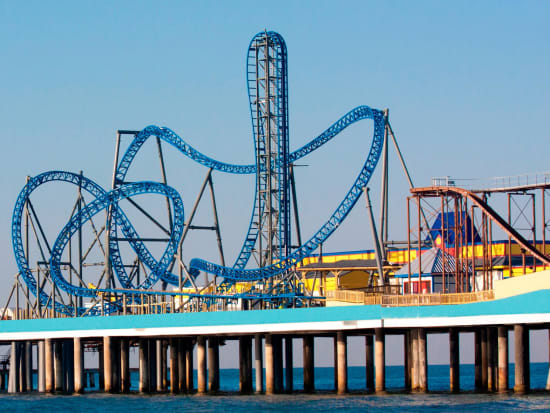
column 360, row 297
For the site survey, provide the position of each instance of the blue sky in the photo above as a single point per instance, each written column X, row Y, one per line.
column 467, row 84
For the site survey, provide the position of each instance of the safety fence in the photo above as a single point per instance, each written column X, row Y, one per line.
column 360, row 297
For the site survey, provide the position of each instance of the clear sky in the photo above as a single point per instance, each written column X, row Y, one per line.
column 467, row 84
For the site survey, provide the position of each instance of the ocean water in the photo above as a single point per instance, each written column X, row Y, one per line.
column 396, row 399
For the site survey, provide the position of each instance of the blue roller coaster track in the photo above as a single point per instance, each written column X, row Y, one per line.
column 103, row 200
column 108, row 200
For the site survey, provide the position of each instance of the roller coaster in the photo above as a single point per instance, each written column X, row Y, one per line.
column 269, row 270
column 268, row 237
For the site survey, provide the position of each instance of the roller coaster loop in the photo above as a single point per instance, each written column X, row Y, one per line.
column 103, row 200
column 108, row 200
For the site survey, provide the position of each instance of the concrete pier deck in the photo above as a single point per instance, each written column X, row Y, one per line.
column 529, row 308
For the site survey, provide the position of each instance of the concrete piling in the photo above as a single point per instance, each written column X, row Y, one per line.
column 245, row 364
column 143, row 366
column 491, row 377
column 174, row 367
column 342, row 355
column 422, row 360
column 189, row 365
column 380, row 360
column 484, row 360
column 124, row 365
column 289, row 365
column 521, row 358
column 182, row 382
column 269, row 365
column 28, row 366
column 164, row 365
column 152, row 360
column 309, row 367
column 213, row 364
column 478, row 381
column 21, row 367
column 277, row 342
column 419, row 361
column 68, row 366
column 258, row 363
column 100, row 375
column 201, row 365
column 78, row 365
column 407, row 359
column 502, row 359
column 58, row 366
column 115, row 352
column 40, row 364
column 159, row 359
column 13, row 381
column 414, row 359
column 369, row 361
column 454, row 360
column 48, row 365
column 335, row 361
column 107, row 364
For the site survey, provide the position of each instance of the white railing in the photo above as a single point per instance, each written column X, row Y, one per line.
column 499, row 182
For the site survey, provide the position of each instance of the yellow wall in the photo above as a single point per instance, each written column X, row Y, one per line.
column 400, row 256
column 325, row 284
column 358, row 279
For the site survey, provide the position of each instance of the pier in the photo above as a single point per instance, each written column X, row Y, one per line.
column 97, row 285
column 168, row 343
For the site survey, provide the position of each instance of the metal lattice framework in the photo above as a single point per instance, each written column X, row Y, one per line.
column 103, row 201
column 337, row 217
column 268, row 98
column 268, row 237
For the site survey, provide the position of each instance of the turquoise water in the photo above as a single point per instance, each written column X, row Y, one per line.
column 438, row 399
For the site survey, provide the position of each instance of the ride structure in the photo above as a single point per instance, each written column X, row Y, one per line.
column 100, row 263
column 268, row 239
column 487, row 237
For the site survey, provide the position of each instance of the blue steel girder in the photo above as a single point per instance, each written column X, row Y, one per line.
column 102, row 203
column 338, row 216
column 174, row 140
column 267, row 115
column 170, row 137
column 18, row 210
column 357, row 114
column 118, row 217
column 267, row 56
column 268, row 99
